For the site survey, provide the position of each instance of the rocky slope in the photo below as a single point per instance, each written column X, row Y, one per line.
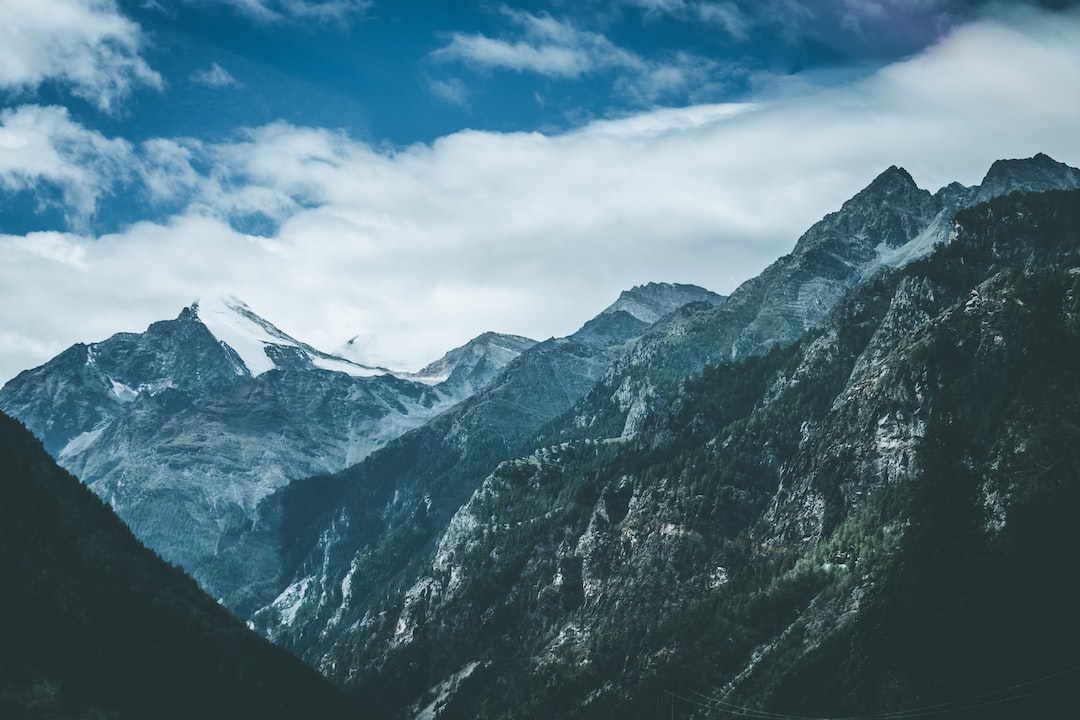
column 888, row 224
column 327, row 548
column 185, row 427
column 873, row 519
column 343, row 560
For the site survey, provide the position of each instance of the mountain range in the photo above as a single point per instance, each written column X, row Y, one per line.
column 845, row 490
column 185, row 427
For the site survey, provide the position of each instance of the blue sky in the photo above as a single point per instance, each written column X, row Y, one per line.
column 417, row 172
column 414, row 70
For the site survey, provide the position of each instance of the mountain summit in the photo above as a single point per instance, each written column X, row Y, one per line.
column 464, row 370
column 260, row 345
column 1035, row 174
column 652, row 301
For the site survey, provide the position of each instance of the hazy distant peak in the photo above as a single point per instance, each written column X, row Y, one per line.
column 894, row 185
column 893, row 176
column 483, row 347
column 464, row 370
column 1035, row 174
column 652, row 301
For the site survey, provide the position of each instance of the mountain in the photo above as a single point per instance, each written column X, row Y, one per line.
column 97, row 626
column 464, row 370
column 293, row 574
column 653, row 301
column 888, row 224
column 185, row 427
column 845, row 491
column 383, row 519
column 875, row 519
column 1037, row 174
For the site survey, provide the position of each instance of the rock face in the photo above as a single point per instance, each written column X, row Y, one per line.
column 873, row 518
column 184, row 428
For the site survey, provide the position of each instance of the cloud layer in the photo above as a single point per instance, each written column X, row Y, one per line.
column 418, row 249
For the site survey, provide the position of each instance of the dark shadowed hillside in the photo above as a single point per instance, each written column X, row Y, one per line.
column 97, row 626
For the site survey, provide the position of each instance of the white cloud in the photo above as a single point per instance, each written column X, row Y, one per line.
column 166, row 170
column 725, row 14
column 214, row 76
column 420, row 248
column 713, row 12
column 86, row 45
column 340, row 12
column 43, row 146
column 547, row 46
column 559, row 49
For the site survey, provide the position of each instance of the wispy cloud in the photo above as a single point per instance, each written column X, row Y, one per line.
column 214, row 76
column 451, row 90
column 726, row 15
column 862, row 28
column 339, row 12
column 558, row 48
column 85, row 45
column 545, row 45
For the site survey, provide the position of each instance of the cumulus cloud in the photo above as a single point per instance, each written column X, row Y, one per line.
column 417, row 249
column 85, row 45
column 42, row 147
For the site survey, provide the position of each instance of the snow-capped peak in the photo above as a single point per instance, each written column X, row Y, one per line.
column 234, row 324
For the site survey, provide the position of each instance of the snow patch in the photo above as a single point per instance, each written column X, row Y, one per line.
column 227, row 320
column 122, row 392
column 345, row 366
column 425, row 379
column 235, row 325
